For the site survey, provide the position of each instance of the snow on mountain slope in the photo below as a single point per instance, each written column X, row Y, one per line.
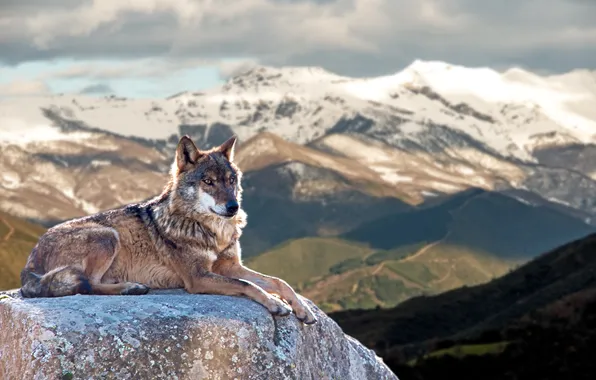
column 508, row 113
column 60, row 179
column 19, row 132
column 521, row 106
column 151, row 119
column 267, row 150
column 511, row 113
column 421, row 175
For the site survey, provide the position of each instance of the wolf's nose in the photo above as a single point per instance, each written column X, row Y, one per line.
column 232, row 207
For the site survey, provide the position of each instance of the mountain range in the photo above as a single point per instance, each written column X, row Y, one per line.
column 432, row 128
column 374, row 172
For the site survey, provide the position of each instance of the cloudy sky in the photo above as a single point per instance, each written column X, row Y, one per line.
column 154, row 48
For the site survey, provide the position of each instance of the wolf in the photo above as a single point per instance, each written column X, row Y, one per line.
column 186, row 237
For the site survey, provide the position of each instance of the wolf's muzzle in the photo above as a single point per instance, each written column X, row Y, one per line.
column 232, row 207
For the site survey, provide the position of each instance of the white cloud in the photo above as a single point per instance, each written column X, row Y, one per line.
column 354, row 37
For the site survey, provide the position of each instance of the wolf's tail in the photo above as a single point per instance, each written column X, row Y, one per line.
column 63, row 281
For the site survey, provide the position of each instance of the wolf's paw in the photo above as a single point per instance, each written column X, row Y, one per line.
column 134, row 289
column 304, row 314
column 278, row 307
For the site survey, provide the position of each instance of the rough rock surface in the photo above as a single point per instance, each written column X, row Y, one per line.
column 173, row 335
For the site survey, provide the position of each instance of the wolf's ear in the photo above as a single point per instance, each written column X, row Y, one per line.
column 186, row 154
column 227, row 148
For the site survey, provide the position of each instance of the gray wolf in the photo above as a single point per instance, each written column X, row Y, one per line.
column 186, row 237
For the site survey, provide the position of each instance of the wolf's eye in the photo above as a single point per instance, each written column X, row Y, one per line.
column 208, row 181
column 232, row 180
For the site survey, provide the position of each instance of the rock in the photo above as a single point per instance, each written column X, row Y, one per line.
column 173, row 335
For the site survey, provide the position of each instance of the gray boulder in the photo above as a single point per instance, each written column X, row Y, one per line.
column 173, row 335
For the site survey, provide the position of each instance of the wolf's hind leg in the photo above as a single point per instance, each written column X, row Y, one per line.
column 70, row 280
column 101, row 255
column 59, row 282
column 76, row 261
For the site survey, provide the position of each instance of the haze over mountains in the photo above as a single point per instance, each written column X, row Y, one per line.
column 345, row 160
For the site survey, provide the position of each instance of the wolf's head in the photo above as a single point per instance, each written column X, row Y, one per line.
column 206, row 182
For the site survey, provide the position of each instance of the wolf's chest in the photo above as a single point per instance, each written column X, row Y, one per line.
column 221, row 240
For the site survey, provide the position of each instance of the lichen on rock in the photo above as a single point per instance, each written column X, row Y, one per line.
column 173, row 335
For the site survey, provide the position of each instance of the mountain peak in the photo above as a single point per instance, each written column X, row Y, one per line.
column 518, row 74
column 300, row 71
column 289, row 75
column 437, row 70
column 426, row 66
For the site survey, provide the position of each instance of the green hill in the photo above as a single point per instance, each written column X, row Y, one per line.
column 17, row 238
column 304, row 261
column 467, row 239
column 338, row 274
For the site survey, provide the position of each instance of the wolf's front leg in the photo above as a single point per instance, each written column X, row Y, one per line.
column 212, row 283
column 195, row 272
column 272, row 285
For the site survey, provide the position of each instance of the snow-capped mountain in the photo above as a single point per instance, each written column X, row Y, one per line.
column 430, row 129
column 511, row 112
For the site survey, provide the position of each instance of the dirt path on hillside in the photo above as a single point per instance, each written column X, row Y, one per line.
column 421, row 251
column 445, row 277
column 10, row 229
column 427, row 247
column 378, row 268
